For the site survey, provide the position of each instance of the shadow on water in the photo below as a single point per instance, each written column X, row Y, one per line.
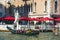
column 26, row 37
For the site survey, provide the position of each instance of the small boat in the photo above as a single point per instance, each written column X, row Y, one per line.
column 23, row 32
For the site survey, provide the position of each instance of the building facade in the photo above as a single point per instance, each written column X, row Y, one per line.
column 34, row 8
column 31, row 8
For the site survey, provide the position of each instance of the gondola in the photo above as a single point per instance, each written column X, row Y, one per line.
column 27, row 32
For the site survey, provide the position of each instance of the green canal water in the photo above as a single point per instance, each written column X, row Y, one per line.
column 41, row 36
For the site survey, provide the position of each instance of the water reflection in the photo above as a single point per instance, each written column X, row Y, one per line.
column 41, row 36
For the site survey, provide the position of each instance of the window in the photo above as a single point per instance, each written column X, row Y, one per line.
column 0, row 5
column 0, row 14
column 21, row 9
column 15, row 10
column 34, row 7
column 56, row 6
column 31, row 7
column 45, row 6
column 26, row 9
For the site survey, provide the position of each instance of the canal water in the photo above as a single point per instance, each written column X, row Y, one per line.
column 41, row 36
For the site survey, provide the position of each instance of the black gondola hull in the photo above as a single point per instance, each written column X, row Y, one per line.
column 33, row 32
